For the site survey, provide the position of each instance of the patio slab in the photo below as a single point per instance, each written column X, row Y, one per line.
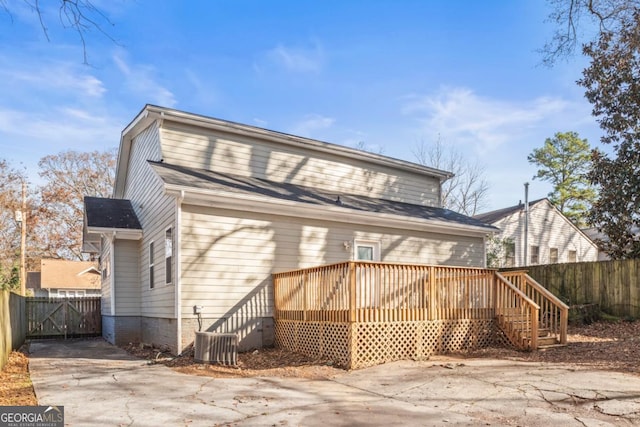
column 99, row 385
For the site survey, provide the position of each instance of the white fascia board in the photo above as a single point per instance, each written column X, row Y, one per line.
column 232, row 201
column 120, row 233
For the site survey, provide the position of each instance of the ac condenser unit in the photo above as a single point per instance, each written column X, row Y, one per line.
column 210, row 347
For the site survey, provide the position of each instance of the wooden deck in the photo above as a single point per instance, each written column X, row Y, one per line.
column 365, row 313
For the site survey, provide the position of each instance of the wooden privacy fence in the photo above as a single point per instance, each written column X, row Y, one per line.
column 63, row 317
column 365, row 313
column 613, row 285
column 13, row 323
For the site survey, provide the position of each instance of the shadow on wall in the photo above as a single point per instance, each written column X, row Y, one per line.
column 247, row 319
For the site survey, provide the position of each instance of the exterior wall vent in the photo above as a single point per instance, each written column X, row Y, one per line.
column 212, row 347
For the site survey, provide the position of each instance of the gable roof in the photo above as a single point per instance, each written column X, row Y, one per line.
column 151, row 113
column 65, row 274
column 495, row 216
column 183, row 178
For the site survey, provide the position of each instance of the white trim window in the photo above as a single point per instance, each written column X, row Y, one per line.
column 366, row 250
column 151, row 266
column 168, row 256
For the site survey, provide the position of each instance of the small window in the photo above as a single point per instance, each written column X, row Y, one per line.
column 367, row 250
column 553, row 255
column 535, row 255
column 509, row 253
column 573, row 256
column 151, row 275
column 168, row 254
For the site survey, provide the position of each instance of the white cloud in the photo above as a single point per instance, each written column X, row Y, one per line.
column 140, row 79
column 296, row 59
column 312, row 123
column 58, row 77
column 463, row 117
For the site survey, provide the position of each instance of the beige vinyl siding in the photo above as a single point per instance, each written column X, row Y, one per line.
column 227, row 261
column 547, row 229
column 105, row 284
column 221, row 152
column 127, row 276
column 156, row 212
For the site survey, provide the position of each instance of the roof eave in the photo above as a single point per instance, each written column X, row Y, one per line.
column 260, row 204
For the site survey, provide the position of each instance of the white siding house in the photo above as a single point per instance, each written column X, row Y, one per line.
column 552, row 238
column 205, row 211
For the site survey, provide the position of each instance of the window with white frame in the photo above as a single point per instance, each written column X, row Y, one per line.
column 168, row 255
column 151, row 266
column 573, row 256
column 366, row 250
column 553, row 255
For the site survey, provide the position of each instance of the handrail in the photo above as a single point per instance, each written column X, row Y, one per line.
column 554, row 314
column 521, row 328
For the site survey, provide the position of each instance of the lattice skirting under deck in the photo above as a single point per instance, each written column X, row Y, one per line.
column 358, row 345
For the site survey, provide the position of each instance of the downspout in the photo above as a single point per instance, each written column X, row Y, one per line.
column 526, row 224
column 112, row 273
column 178, row 268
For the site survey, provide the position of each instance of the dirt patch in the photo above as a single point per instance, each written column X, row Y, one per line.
column 611, row 346
column 15, row 383
column 603, row 345
column 270, row 362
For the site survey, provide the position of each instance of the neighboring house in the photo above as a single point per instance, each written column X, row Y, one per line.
column 205, row 210
column 64, row 278
column 552, row 238
column 597, row 236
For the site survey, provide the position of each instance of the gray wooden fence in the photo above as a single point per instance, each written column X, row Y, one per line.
column 63, row 317
column 614, row 285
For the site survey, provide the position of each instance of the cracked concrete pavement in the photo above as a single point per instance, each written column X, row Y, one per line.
column 101, row 385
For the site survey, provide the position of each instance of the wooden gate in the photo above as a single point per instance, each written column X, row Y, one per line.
column 63, row 317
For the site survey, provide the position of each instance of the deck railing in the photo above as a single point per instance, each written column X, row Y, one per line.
column 362, row 313
column 516, row 314
column 384, row 292
column 553, row 315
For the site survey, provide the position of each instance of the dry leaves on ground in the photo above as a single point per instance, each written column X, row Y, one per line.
column 15, row 383
column 602, row 345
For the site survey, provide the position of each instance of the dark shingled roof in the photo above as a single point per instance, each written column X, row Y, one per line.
column 497, row 215
column 207, row 180
column 110, row 213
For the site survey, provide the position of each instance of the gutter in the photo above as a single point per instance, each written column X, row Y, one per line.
column 231, row 201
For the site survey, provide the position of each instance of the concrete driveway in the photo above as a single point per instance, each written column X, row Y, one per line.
column 101, row 385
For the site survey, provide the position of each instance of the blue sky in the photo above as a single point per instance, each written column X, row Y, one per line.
column 389, row 74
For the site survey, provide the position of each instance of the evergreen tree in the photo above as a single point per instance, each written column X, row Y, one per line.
column 565, row 161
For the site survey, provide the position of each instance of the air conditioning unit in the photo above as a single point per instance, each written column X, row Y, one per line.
column 210, row 347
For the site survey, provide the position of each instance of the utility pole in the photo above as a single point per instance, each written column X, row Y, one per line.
column 23, row 242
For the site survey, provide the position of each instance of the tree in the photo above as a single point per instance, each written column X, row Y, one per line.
column 466, row 192
column 569, row 16
column 80, row 16
column 612, row 83
column 564, row 161
column 69, row 177
column 10, row 202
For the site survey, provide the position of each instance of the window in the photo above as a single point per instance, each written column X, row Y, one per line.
column 535, row 255
column 367, row 250
column 168, row 255
column 151, row 275
column 509, row 253
column 573, row 256
column 553, row 255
